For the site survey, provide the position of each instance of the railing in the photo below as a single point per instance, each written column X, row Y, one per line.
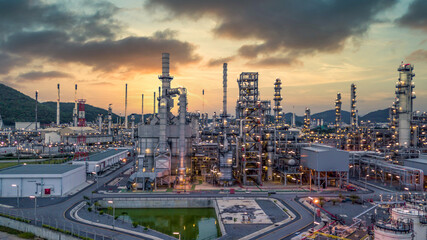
column 54, row 224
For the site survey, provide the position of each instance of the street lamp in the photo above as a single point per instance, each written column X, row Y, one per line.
column 35, row 208
column 314, row 210
column 114, row 211
column 17, row 194
column 96, row 174
column 177, row 233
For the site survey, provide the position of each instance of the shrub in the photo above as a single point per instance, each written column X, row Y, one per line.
column 134, row 224
column 26, row 235
column 89, row 209
column 101, row 212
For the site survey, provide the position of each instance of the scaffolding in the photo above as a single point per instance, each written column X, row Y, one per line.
column 250, row 112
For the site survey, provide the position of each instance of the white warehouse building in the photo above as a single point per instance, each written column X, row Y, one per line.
column 41, row 180
column 102, row 161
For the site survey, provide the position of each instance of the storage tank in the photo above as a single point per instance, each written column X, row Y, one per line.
column 417, row 216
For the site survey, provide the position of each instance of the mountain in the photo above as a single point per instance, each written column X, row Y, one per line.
column 18, row 107
column 377, row 116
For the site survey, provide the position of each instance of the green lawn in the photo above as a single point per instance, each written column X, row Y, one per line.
column 6, row 165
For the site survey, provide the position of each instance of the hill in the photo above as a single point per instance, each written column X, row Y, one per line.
column 377, row 116
column 18, row 107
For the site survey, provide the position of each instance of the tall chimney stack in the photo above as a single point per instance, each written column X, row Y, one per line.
column 58, row 121
column 37, row 99
column 142, row 108
column 126, row 106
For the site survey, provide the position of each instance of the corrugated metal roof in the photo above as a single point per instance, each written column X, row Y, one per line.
column 102, row 155
column 39, row 169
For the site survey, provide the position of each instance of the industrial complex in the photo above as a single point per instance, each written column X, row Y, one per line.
column 252, row 149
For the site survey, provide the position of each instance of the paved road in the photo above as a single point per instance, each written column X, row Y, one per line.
column 56, row 214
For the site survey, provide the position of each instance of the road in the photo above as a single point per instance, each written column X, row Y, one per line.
column 55, row 212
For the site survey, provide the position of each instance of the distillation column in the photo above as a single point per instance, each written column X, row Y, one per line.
column 307, row 120
column 353, row 112
column 277, row 101
column 405, row 96
column 338, row 113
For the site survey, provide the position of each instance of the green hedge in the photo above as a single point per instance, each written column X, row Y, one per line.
column 65, row 232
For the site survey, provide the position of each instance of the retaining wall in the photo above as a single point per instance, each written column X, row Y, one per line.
column 159, row 202
column 38, row 231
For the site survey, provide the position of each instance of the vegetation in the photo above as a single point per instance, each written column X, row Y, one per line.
column 25, row 235
column 134, row 224
column 354, row 198
column 16, row 106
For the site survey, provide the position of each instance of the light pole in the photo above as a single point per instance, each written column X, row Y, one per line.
column 114, row 211
column 96, row 179
column 35, row 208
column 177, row 233
column 17, row 194
column 314, row 211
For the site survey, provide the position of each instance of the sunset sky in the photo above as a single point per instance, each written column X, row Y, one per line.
column 317, row 48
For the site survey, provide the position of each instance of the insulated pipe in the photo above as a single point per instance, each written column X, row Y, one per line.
column 57, row 107
column 126, row 106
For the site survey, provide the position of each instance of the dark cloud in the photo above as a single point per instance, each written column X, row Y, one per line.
column 418, row 55
column 95, row 22
column 416, row 17
column 276, row 61
column 36, row 30
column 37, row 75
column 8, row 62
column 219, row 61
column 288, row 28
column 134, row 53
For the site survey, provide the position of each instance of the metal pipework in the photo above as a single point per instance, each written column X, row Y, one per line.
column 162, row 126
column 126, row 106
column 58, row 121
column 353, row 112
column 405, row 96
column 338, row 104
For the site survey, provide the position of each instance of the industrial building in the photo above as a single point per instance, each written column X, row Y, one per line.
column 40, row 180
column 100, row 162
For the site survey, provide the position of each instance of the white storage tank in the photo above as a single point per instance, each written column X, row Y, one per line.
column 417, row 216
